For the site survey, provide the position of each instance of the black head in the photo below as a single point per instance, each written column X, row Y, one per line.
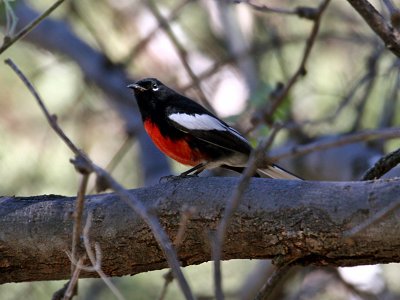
column 155, row 98
column 148, row 87
column 150, row 93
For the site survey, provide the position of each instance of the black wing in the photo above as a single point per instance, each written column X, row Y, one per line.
column 198, row 122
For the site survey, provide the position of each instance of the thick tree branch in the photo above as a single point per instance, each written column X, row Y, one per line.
column 276, row 219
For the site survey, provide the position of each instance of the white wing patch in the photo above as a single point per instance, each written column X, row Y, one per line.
column 197, row 122
column 203, row 122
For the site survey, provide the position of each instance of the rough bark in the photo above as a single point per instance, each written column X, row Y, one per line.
column 276, row 219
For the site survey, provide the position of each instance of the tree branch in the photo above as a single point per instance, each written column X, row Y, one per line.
column 331, row 142
column 389, row 35
column 29, row 27
column 278, row 219
column 383, row 165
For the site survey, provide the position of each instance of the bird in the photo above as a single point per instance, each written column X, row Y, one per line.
column 190, row 134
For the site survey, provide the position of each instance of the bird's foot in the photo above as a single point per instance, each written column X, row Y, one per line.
column 170, row 178
column 187, row 175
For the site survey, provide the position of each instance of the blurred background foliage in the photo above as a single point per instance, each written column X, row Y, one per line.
column 239, row 54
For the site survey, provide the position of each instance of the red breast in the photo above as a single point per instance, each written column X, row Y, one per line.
column 178, row 150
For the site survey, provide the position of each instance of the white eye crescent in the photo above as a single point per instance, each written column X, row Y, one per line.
column 154, row 87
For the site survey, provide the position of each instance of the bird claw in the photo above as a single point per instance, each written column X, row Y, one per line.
column 170, row 178
column 187, row 175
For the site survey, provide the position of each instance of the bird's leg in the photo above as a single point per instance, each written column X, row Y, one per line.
column 195, row 170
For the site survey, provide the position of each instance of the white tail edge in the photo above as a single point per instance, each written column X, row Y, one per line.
column 276, row 172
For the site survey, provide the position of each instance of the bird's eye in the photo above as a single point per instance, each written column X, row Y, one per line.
column 154, row 87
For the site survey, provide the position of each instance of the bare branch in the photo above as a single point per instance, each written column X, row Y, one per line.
column 387, row 117
column 181, row 52
column 174, row 14
column 28, row 28
column 52, row 119
column 372, row 70
column 383, row 165
column 11, row 20
column 79, row 205
column 376, row 217
column 389, row 35
column 367, row 135
column 231, row 207
column 277, row 97
column 275, row 219
column 95, row 259
column 73, row 282
column 278, row 274
column 300, row 11
column 186, row 213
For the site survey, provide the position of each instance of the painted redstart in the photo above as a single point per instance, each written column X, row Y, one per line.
column 190, row 134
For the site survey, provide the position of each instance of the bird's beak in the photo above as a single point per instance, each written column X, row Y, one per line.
column 136, row 87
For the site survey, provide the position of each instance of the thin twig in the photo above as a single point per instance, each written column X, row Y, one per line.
column 79, row 265
column 174, row 14
column 96, row 33
column 117, row 157
column 76, row 234
column 11, row 19
column 254, row 50
column 168, row 278
column 231, row 207
column 250, row 287
column 182, row 53
column 388, row 34
column 158, row 232
column 367, row 135
column 81, row 193
column 372, row 67
column 279, row 97
column 345, row 99
column 71, row 291
column 279, row 273
column 376, row 217
column 300, row 11
column 78, row 212
column 28, row 28
column 52, row 119
column 95, row 259
column 269, row 9
column 186, row 213
column 382, row 166
column 389, row 108
column 82, row 161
